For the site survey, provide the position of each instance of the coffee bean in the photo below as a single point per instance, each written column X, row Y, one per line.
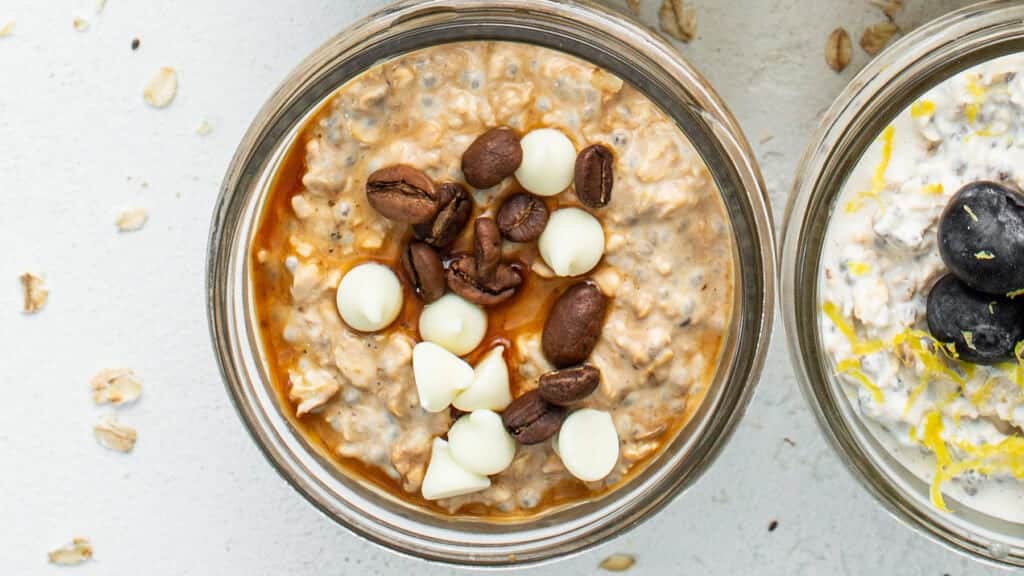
column 531, row 420
column 424, row 271
column 492, row 157
column 568, row 385
column 595, row 175
column 462, row 280
column 574, row 325
column 487, row 244
column 522, row 218
column 402, row 193
column 456, row 206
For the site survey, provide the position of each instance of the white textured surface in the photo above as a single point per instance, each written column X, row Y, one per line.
column 77, row 145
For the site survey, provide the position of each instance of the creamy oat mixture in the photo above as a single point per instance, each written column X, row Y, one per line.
column 956, row 424
column 667, row 267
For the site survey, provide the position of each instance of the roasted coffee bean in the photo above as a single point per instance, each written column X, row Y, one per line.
column 402, row 193
column 522, row 218
column 568, row 385
column 462, row 280
column 574, row 325
column 530, row 419
column 424, row 271
column 456, row 206
column 487, row 246
column 595, row 175
column 492, row 157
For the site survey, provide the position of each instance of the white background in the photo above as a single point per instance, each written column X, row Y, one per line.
column 77, row 144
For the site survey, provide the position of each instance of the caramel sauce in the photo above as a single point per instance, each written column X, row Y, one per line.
column 524, row 314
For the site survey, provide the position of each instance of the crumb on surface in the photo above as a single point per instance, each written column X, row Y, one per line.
column 115, row 386
column 618, row 563
column 678, row 19
column 115, row 436
column 204, row 128
column 73, row 553
column 36, row 293
column 773, row 525
column 162, row 88
column 132, row 219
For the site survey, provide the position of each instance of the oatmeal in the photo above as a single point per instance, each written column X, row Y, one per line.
column 492, row 279
column 920, row 277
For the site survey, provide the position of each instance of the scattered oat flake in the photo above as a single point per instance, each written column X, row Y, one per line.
column 888, row 7
column 7, row 29
column 162, row 88
column 618, row 563
column 75, row 552
column 113, row 435
column 80, row 24
column 838, row 49
column 132, row 219
column 115, row 386
column 36, row 293
column 100, row 5
column 876, row 36
column 204, row 128
column 678, row 19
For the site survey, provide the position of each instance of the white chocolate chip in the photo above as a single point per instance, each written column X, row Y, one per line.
column 572, row 243
column 446, row 479
column 479, row 443
column 549, row 162
column 588, row 444
column 369, row 297
column 454, row 323
column 489, row 390
column 439, row 374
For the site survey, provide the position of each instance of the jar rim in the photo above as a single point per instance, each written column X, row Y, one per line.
column 595, row 34
column 909, row 67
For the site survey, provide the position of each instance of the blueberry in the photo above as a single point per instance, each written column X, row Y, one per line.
column 981, row 237
column 984, row 328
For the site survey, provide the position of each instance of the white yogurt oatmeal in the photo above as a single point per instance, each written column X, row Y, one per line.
column 666, row 270
column 956, row 424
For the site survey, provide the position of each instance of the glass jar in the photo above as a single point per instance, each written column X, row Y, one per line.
column 887, row 86
column 598, row 35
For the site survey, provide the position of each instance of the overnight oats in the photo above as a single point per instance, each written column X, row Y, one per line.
column 922, row 288
column 492, row 279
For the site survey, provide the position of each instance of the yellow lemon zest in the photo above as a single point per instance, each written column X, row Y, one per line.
column 970, row 213
column 858, row 346
column 878, row 179
column 934, row 188
column 971, row 110
column 1015, row 370
column 1015, row 293
column 977, row 91
column 982, row 394
column 916, row 393
column 851, row 367
column 922, row 108
column 930, row 361
column 858, row 268
column 984, row 255
column 932, row 439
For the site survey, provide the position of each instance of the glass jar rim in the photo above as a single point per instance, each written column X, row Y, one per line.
column 888, row 85
column 590, row 32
